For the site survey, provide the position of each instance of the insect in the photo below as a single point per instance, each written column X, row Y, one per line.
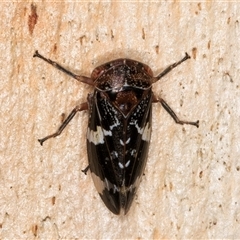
column 119, row 126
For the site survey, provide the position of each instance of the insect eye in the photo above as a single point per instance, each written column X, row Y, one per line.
column 147, row 70
column 112, row 95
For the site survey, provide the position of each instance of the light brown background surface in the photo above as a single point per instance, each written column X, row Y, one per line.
column 191, row 187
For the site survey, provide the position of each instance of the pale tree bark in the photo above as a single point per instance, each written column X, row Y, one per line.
column 191, row 184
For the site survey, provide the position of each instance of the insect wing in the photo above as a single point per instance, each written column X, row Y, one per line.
column 99, row 158
column 117, row 149
column 140, row 123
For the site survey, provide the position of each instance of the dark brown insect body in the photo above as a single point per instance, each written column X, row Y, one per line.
column 119, row 126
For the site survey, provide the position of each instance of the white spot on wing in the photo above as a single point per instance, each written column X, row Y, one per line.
column 140, row 130
column 127, row 163
column 114, row 154
column 120, row 165
column 128, row 141
column 95, row 137
column 124, row 190
column 107, row 133
column 99, row 184
column 117, row 123
column 102, row 185
column 146, row 133
column 133, row 152
column 107, row 185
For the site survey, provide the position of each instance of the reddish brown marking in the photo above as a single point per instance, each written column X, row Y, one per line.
column 126, row 101
column 53, row 200
column 82, row 38
column 194, row 52
column 228, row 21
column 209, row 44
column 32, row 18
column 35, row 229
column 143, row 34
column 55, row 48
column 112, row 35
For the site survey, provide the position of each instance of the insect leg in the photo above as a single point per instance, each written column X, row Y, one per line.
column 85, row 170
column 81, row 107
column 83, row 79
column 173, row 115
column 169, row 68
